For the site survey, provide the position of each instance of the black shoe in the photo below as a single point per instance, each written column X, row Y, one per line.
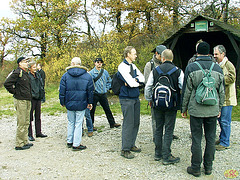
column 157, row 158
column 69, row 145
column 22, row 148
column 30, row 138
column 29, row 144
column 193, row 172
column 207, row 172
column 170, row 160
column 175, row 137
column 41, row 135
column 80, row 147
column 94, row 129
column 116, row 125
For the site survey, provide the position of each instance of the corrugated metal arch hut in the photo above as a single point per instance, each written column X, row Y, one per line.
column 183, row 42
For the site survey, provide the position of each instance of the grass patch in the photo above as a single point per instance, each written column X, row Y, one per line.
column 53, row 107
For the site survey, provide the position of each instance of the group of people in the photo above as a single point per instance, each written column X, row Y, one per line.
column 80, row 91
column 26, row 83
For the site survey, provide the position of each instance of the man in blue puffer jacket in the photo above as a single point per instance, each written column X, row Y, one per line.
column 76, row 94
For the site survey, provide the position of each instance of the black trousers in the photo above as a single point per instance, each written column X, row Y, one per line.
column 102, row 99
column 36, row 108
column 197, row 124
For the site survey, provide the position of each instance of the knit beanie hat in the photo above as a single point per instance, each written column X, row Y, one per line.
column 203, row 48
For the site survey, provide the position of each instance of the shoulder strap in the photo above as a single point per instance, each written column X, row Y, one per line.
column 200, row 67
column 210, row 70
column 159, row 70
column 169, row 72
column 152, row 64
column 172, row 70
column 99, row 75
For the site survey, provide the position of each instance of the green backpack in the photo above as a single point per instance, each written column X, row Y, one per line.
column 206, row 93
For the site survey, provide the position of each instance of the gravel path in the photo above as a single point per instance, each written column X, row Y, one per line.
column 49, row 158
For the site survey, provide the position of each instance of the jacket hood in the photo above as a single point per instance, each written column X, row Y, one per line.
column 157, row 61
column 76, row 70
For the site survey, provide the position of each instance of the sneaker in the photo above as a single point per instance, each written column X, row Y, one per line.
column 171, row 160
column 22, row 148
column 217, row 142
column 220, row 147
column 79, row 148
column 135, row 149
column 69, row 145
column 116, row 125
column 94, row 129
column 193, row 172
column 127, row 154
column 90, row 134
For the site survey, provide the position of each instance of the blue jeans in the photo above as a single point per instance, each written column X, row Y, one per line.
column 74, row 133
column 88, row 120
column 225, row 125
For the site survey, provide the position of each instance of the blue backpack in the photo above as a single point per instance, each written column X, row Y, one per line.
column 164, row 95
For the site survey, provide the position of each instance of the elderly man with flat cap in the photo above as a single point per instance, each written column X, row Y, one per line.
column 102, row 83
column 18, row 84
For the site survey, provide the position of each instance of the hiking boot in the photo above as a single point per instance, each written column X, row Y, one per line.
column 69, row 145
column 135, row 149
column 193, row 172
column 157, row 158
column 79, row 148
column 217, row 142
column 90, row 134
column 116, row 125
column 208, row 172
column 220, row 147
column 127, row 154
column 170, row 160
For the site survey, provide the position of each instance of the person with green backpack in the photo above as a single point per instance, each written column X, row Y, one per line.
column 203, row 114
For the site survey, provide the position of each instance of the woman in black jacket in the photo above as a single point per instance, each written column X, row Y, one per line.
column 37, row 95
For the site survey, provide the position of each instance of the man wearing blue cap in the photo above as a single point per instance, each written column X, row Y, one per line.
column 102, row 83
column 18, row 84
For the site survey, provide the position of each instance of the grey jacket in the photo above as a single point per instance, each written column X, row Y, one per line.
column 192, row 78
column 148, row 69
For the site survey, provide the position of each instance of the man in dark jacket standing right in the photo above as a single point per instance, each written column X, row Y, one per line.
column 18, row 84
column 202, row 116
column 76, row 94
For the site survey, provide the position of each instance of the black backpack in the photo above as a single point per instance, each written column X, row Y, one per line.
column 164, row 95
column 116, row 84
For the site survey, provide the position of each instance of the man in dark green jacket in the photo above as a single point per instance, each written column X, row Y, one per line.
column 202, row 115
column 18, row 84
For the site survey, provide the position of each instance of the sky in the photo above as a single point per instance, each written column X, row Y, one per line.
column 5, row 9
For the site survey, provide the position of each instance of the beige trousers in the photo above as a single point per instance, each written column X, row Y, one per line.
column 23, row 108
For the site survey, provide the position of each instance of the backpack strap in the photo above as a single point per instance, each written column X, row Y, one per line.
column 169, row 72
column 210, row 70
column 152, row 64
column 99, row 75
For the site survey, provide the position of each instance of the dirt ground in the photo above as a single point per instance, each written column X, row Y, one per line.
column 49, row 158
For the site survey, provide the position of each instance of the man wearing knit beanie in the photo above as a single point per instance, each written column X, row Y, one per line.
column 202, row 116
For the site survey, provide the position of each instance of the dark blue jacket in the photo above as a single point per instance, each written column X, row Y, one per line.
column 76, row 88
